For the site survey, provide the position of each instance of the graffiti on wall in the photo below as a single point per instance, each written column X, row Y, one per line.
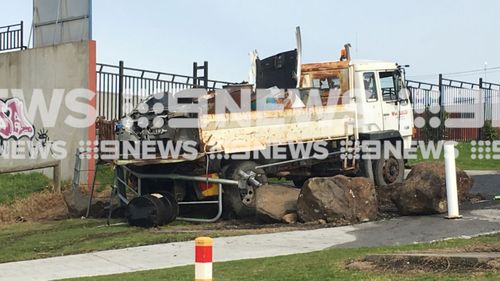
column 14, row 124
column 13, row 121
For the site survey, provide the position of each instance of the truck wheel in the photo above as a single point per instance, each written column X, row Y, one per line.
column 388, row 171
column 237, row 202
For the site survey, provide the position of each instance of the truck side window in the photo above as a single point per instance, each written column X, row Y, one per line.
column 370, row 86
column 388, row 82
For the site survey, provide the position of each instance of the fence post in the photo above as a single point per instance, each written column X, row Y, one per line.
column 120, row 90
column 442, row 128
column 481, row 92
column 22, row 36
column 205, row 78
column 195, row 75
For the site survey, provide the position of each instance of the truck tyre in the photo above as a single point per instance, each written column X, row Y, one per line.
column 387, row 171
column 234, row 201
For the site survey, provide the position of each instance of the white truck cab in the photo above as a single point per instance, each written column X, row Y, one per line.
column 383, row 104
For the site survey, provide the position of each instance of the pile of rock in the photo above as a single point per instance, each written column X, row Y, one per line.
column 346, row 200
column 336, row 199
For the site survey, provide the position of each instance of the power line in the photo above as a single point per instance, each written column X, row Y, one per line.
column 475, row 71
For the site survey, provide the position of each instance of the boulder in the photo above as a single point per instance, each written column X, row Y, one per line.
column 273, row 202
column 290, row 218
column 424, row 191
column 338, row 199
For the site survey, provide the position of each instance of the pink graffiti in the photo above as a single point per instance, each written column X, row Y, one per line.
column 13, row 122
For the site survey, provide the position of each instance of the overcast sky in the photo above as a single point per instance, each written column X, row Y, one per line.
column 432, row 36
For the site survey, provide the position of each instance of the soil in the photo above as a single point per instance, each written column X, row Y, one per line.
column 45, row 205
column 431, row 264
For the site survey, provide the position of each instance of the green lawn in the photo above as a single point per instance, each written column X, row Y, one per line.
column 464, row 160
column 16, row 186
column 323, row 265
column 105, row 177
column 25, row 241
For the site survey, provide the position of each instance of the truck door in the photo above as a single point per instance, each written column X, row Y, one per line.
column 389, row 89
column 371, row 110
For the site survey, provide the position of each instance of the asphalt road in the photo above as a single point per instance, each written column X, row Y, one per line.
column 486, row 185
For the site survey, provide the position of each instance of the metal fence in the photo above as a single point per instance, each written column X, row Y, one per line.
column 472, row 106
column 12, row 37
column 120, row 88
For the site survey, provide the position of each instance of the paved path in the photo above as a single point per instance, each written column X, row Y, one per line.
column 175, row 254
column 481, row 219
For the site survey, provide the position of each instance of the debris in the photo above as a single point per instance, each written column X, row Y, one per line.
column 77, row 203
column 338, row 199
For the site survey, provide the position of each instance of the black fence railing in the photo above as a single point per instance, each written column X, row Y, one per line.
column 477, row 104
column 120, row 88
column 12, row 37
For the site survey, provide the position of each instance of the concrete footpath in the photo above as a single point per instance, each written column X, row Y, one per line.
column 401, row 230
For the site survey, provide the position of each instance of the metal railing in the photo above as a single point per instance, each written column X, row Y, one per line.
column 433, row 104
column 120, row 88
column 12, row 37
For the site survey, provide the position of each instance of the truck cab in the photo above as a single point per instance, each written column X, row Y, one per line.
column 385, row 105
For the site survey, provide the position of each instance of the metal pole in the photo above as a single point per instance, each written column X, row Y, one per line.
column 195, row 75
column 22, row 36
column 205, row 78
column 483, row 100
column 89, row 206
column 441, row 128
column 120, row 90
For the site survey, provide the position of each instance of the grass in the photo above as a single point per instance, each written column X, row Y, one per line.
column 464, row 160
column 105, row 177
column 20, row 185
column 323, row 265
column 16, row 186
column 25, row 241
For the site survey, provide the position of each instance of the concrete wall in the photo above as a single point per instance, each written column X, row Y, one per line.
column 67, row 67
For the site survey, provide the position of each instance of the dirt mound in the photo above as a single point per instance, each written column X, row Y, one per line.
column 469, row 258
column 43, row 205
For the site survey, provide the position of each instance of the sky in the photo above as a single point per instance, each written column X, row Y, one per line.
column 431, row 36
